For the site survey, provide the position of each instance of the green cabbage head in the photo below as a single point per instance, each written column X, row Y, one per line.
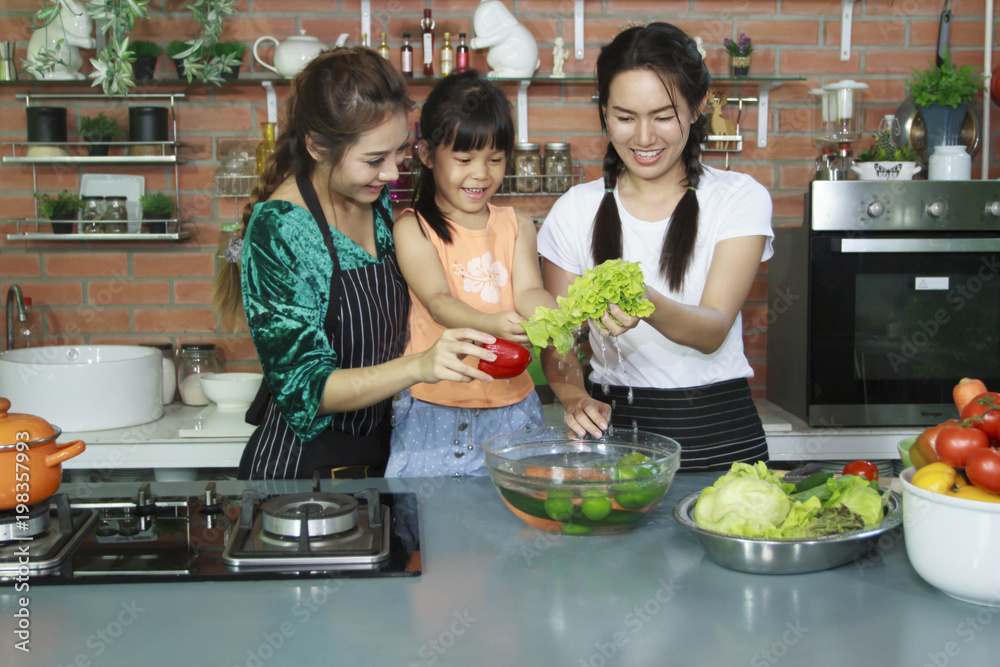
column 744, row 506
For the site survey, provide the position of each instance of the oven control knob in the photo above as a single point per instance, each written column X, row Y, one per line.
column 936, row 209
column 875, row 209
column 993, row 208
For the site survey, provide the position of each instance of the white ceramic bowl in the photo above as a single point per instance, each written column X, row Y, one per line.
column 953, row 542
column 886, row 171
column 231, row 391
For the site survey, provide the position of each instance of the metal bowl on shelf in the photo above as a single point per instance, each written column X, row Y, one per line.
column 758, row 556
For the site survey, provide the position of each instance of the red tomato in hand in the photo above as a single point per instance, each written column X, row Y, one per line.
column 985, row 407
column 955, row 443
column 862, row 469
column 983, row 469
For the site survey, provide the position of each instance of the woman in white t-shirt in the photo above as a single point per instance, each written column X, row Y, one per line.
column 700, row 235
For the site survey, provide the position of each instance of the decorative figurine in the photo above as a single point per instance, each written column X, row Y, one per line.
column 54, row 50
column 559, row 56
column 513, row 50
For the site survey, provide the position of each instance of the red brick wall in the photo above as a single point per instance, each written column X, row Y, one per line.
column 136, row 292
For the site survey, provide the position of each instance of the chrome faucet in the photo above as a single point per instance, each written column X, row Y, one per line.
column 14, row 294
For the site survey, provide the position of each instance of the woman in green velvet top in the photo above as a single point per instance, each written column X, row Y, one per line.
column 324, row 299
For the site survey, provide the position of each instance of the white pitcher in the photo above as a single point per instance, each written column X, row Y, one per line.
column 292, row 55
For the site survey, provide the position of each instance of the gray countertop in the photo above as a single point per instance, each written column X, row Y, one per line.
column 496, row 592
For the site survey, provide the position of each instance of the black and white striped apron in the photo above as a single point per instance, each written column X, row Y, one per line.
column 365, row 324
column 716, row 425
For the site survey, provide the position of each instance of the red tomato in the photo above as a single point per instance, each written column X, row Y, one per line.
column 985, row 410
column 862, row 469
column 983, row 469
column 955, row 443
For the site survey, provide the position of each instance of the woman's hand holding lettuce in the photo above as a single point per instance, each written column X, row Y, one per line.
column 752, row 501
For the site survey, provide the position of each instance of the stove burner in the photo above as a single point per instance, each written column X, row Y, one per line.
column 16, row 525
column 321, row 514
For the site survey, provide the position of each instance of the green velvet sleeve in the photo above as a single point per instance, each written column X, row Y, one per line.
column 286, row 273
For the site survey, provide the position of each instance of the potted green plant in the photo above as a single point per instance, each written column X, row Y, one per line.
column 885, row 161
column 942, row 95
column 231, row 54
column 145, row 56
column 63, row 206
column 156, row 206
column 97, row 131
column 739, row 55
column 177, row 51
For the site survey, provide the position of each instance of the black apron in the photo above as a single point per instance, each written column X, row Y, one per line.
column 365, row 324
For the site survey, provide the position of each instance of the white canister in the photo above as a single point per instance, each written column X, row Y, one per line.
column 169, row 370
column 949, row 163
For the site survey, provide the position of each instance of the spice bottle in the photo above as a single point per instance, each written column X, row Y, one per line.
column 364, row 39
column 116, row 215
column 406, row 56
column 558, row 169
column 383, row 46
column 196, row 358
column 461, row 54
column 427, row 23
column 527, row 167
column 92, row 215
column 266, row 147
column 447, row 55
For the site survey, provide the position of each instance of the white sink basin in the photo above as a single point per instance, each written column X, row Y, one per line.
column 85, row 388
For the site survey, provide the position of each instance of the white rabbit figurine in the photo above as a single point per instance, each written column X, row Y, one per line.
column 513, row 50
column 74, row 27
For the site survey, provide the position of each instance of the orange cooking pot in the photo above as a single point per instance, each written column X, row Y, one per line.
column 30, row 459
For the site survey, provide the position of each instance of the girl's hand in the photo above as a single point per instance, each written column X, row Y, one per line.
column 587, row 415
column 507, row 324
column 615, row 321
column 443, row 360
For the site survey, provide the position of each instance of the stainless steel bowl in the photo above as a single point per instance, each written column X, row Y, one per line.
column 787, row 556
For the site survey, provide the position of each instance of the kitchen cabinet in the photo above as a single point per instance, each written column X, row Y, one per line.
column 29, row 229
column 496, row 592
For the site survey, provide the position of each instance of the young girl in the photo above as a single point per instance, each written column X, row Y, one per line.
column 324, row 299
column 467, row 263
column 700, row 235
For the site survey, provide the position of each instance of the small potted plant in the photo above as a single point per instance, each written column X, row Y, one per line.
column 63, row 206
column 739, row 55
column 97, row 131
column 156, row 206
column 942, row 95
column 145, row 55
column 232, row 55
column 174, row 49
column 885, row 161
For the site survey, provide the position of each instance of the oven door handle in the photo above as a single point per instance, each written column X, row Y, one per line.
column 920, row 245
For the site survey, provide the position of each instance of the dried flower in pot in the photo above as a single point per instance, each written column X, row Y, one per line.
column 97, row 131
column 739, row 55
column 156, row 206
column 63, row 206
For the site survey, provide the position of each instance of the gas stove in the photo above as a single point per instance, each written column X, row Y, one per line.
column 210, row 536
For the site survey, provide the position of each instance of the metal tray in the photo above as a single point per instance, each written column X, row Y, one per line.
column 787, row 556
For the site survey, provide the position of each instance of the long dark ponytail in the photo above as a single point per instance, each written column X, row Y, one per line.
column 466, row 112
column 668, row 52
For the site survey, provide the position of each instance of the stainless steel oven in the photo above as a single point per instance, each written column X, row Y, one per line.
column 883, row 300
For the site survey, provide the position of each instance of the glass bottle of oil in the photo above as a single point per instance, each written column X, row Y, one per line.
column 383, row 46
column 447, row 55
column 266, row 147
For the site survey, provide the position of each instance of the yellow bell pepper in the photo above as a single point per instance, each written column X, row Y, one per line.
column 937, row 477
column 970, row 492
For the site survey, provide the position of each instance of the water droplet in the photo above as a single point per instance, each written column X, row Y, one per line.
column 606, row 388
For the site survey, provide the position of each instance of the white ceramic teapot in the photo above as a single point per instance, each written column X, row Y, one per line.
column 292, row 55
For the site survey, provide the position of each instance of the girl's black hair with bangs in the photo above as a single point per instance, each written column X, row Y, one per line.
column 465, row 112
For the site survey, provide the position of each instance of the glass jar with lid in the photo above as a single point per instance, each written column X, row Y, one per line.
column 527, row 170
column 92, row 213
column 169, row 370
column 116, row 214
column 195, row 359
column 558, row 168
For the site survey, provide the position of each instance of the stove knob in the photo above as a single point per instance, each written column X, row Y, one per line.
column 936, row 209
column 875, row 209
column 993, row 208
